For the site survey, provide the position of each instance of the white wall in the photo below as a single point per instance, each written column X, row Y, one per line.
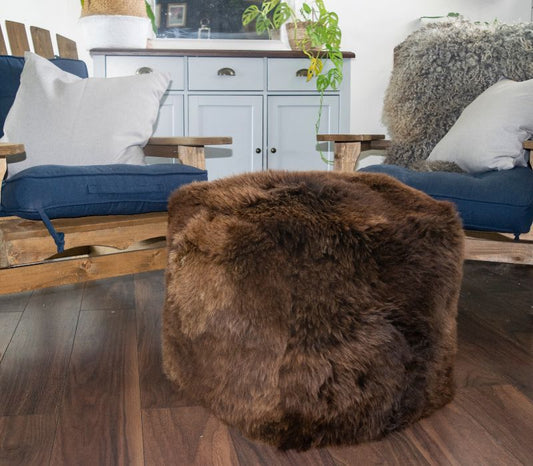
column 371, row 29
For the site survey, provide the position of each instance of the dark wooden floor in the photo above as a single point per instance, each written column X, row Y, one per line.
column 80, row 384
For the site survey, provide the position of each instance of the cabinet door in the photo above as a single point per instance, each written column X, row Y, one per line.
column 238, row 116
column 291, row 132
column 169, row 121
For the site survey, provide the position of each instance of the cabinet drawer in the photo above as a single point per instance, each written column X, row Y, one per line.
column 289, row 74
column 126, row 66
column 234, row 74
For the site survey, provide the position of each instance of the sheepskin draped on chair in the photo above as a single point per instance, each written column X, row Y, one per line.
column 439, row 70
column 312, row 308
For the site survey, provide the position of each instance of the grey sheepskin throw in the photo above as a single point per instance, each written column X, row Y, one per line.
column 438, row 71
column 312, row 308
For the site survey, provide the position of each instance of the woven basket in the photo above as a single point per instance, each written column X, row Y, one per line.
column 297, row 35
column 114, row 7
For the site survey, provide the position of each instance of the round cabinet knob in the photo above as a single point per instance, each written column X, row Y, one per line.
column 257, row 150
column 144, row 70
column 273, row 150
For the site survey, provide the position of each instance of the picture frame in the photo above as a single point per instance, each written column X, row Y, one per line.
column 176, row 15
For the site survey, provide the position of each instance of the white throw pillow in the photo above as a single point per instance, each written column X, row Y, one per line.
column 489, row 133
column 65, row 120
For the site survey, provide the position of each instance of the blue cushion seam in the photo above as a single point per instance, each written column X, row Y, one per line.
column 77, row 175
column 448, row 197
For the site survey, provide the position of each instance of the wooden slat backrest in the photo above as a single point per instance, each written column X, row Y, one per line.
column 3, row 48
column 66, row 47
column 42, row 43
column 18, row 40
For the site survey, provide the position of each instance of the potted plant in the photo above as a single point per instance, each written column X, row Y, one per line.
column 122, row 23
column 315, row 31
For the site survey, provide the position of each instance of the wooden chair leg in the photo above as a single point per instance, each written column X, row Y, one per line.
column 346, row 155
column 192, row 155
column 348, row 148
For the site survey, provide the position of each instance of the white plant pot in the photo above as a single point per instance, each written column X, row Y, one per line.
column 115, row 31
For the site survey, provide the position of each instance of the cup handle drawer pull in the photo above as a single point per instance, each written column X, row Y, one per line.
column 226, row 72
column 144, row 70
column 302, row 73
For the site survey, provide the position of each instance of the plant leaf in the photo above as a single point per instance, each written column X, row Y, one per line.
column 150, row 15
column 268, row 5
column 281, row 14
column 262, row 24
column 249, row 14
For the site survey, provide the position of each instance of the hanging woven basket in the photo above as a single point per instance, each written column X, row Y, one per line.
column 114, row 7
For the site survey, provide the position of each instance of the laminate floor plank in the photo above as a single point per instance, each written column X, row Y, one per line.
column 505, row 360
column 394, row 450
column 8, row 324
column 186, row 436
column 156, row 390
column 111, row 293
column 260, row 454
column 34, row 365
column 451, row 436
column 506, row 414
column 14, row 302
column 515, row 325
column 26, row 440
column 100, row 417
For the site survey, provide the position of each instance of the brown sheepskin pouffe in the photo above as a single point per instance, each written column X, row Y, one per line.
column 312, row 308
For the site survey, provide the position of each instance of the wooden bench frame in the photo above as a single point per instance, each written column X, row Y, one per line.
column 95, row 247
column 480, row 246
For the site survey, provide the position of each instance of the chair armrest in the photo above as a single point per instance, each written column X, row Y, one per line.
column 528, row 145
column 9, row 148
column 348, row 147
column 349, row 137
column 188, row 150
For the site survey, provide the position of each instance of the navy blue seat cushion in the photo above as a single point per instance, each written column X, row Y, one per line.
column 10, row 70
column 500, row 201
column 78, row 191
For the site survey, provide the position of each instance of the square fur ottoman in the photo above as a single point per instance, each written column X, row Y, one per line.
column 312, row 308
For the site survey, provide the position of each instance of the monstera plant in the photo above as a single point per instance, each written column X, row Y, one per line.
column 314, row 30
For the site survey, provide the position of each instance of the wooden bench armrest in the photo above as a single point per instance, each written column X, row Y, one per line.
column 189, row 141
column 349, row 137
column 9, row 148
column 528, row 145
column 188, row 150
column 348, row 147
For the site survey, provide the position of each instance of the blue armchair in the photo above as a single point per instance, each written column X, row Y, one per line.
column 443, row 79
column 61, row 224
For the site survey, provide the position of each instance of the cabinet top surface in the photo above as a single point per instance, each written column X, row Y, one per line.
column 208, row 53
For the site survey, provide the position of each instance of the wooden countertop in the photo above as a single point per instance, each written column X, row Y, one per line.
column 208, row 53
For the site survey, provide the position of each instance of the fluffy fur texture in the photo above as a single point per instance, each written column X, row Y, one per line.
column 438, row 71
column 312, row 309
